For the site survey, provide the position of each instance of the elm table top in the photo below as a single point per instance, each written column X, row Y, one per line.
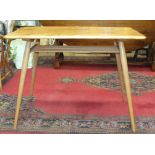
column 75, row 32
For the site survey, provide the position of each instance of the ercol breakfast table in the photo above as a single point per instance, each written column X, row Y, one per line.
column 117, row 34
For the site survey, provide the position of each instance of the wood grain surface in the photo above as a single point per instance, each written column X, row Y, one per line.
column 75, row 32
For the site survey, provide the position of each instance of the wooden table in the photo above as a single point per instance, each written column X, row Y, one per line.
column 117, row 34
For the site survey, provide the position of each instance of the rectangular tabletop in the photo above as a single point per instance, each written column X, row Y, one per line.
column 75, row 32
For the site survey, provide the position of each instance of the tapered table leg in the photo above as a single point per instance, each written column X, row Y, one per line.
column 22, row 80
column 127, row 82
column 35, row 60
column 120, row 76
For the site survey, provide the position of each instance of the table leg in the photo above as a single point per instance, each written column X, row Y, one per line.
column 8, row 66
column 127, row 83
column 120, row 76
column 35, row 60
column 57, row 62
column 22, row 80
column 59, row 56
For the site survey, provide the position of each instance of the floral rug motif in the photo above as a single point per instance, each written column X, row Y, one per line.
column 32, row 119
column 140, row 83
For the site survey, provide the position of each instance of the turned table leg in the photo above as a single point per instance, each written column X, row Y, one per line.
column 8, row 66
column 127, row 83
column 22, row 80
column 56, row 62
column 59, row 56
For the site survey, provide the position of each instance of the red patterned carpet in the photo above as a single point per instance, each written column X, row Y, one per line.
column 88, row 90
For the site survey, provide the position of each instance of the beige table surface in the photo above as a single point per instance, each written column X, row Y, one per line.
column 75, row 32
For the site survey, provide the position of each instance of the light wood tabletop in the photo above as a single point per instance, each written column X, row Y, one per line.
column 75, row 32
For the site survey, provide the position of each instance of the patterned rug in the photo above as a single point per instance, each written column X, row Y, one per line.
column 79, row 99
column 35, row 120
column 140, row 83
